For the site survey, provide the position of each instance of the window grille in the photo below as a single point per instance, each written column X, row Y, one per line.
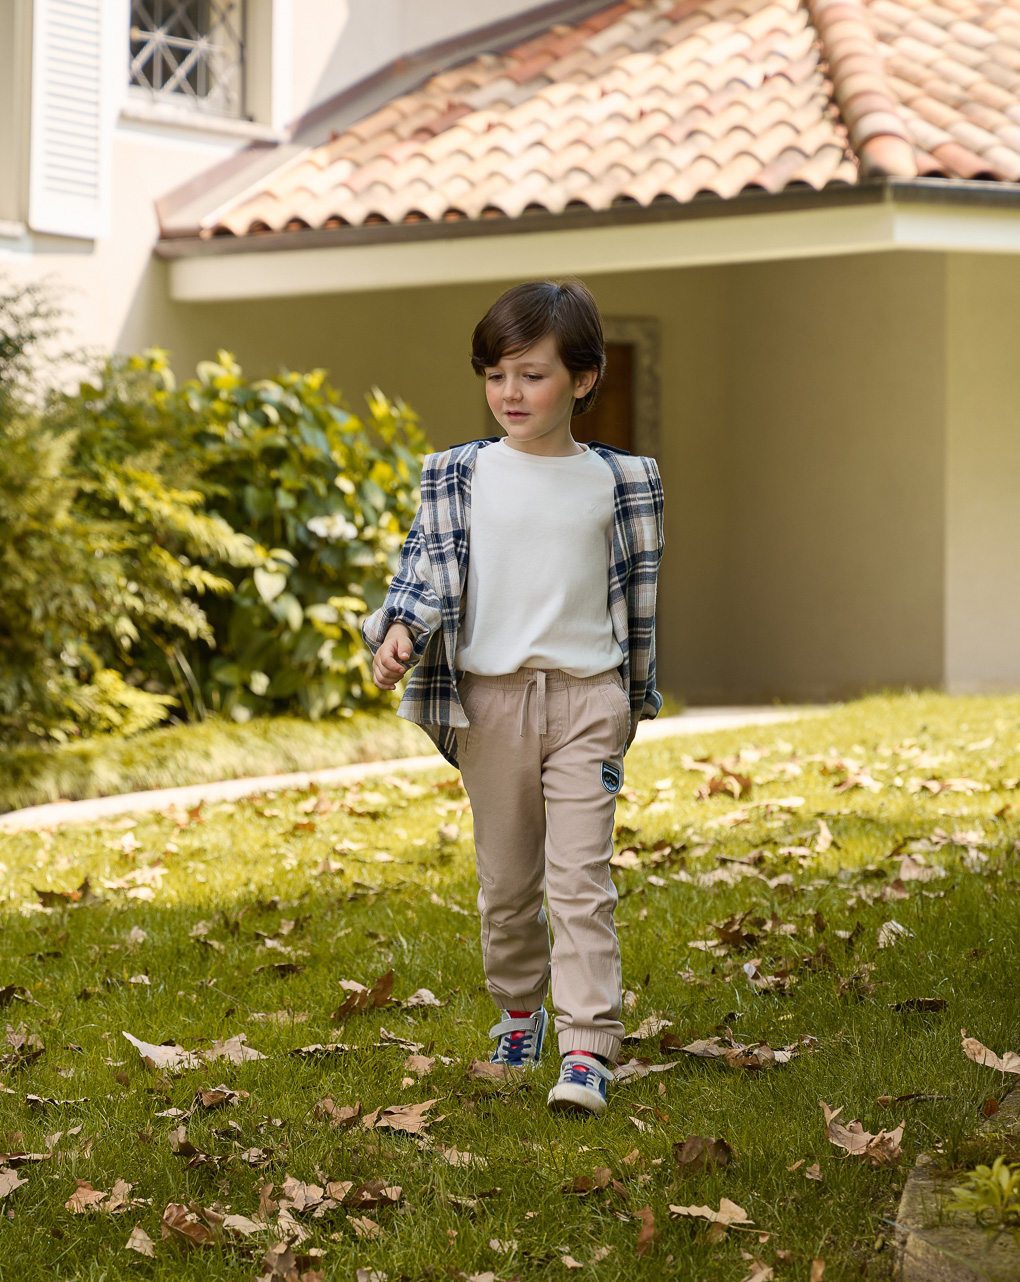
column 190, row 53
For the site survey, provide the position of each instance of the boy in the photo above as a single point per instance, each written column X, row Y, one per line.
column 525, row 597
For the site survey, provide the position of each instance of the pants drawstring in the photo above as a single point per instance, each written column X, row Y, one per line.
column 535, row 682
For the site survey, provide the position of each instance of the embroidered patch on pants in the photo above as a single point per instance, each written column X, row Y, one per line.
column 612, row 777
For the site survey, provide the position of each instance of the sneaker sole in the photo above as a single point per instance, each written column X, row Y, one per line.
column 567, row 1095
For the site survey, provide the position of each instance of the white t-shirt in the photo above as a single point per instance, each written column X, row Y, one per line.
column 538, row 565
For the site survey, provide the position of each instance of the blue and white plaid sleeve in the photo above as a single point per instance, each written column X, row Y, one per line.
column 410, row 599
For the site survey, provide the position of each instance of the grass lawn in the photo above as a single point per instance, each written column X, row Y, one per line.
column 218, row 919
column 203, row 752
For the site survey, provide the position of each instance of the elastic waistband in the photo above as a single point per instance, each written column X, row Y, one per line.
column 555, row 678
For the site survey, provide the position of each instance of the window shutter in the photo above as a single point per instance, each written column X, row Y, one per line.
column 74, row 84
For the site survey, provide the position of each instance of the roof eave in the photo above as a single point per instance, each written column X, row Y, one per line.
column 875, row 217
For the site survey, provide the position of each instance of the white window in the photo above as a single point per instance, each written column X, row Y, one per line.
column 190, row 53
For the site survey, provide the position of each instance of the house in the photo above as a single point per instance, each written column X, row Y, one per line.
column 801, row 219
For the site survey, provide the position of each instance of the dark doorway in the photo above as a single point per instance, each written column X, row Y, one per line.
column 611, row 419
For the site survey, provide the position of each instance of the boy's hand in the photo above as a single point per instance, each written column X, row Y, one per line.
column 389, row 664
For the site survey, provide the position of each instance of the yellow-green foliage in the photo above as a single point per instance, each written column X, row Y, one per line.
column 212, row 545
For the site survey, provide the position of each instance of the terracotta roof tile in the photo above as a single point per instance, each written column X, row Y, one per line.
column 651, row 100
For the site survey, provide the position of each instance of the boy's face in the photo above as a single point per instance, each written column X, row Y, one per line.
column 531, row 394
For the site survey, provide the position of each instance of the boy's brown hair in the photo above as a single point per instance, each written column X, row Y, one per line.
column 524, row 314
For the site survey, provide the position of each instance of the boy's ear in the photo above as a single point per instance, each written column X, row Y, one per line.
column 584, row 382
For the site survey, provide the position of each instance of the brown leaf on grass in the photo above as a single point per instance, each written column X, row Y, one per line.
column 649, row 1027
column 320, row 1050
column 140, row 1241
column 877, row 1150
column 15, row 993
column 735, row 785
column 43, row 1102
column 190, row 1227
column 367, row 1196
column 739, row 930
column 400, row 1117
column 421, row 997
column 217, row 1097
column 648, row 1233
column 235, row 1049
column 83, row 897
column 280, row 968
column 760, row 1273
column 84, row 1198
column 339, row 1115
column 300, row 1196
column 361, row 998
column 282, row 1265
column 912, row 869
column 728, row 1213
column 814, row 1172
column 481, row 1070
column 168, row 1055
column 699, row 1153
column 420, row 1065
column 972, row 1048
column 638, row 1068
column 920, row 1003
column 9, row 1181
column 283, row 1017
column 817, row 1269
column 891, row 932
column 26, row 1047
column 752, row 1056
column 990, row 1107
column 363, row 1226
column 569, row 1262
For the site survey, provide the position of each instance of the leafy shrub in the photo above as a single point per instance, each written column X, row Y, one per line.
column 209, row 546
column 97, row 549
column 283, row 464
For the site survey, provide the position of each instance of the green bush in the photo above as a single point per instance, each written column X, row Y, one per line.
column 332, row 495
column 205, row 547
column 79, row 581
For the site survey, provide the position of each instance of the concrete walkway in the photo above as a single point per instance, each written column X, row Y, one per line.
column 53, row 814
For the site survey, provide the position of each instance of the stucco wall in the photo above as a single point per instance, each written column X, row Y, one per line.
column 802, row 449
column 113, row 291
column 983, row 474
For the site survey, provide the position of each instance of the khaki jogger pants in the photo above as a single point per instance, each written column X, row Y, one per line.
column 542, row 762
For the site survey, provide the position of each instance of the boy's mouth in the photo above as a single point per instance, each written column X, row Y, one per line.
column 516, row 414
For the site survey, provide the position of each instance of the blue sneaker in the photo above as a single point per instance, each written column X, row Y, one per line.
column 519, row 1043
column 582, row 1084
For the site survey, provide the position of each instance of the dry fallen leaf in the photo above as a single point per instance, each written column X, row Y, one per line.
column 84, row 1198
column 339, row 1115
column 698, row 1153
column 972, row 1048
column 760, row 1273
column 9, row 1181
column 891, row 932
column 648, row 1233
column 569, row 1262
column 817, row 1269
column 359, row 998
column 877, row 1150
column 182, row 1225
column 483, row 1070
column 649, row 1027
column 140, row 1241
column 399, row 1117
column 728, row 1213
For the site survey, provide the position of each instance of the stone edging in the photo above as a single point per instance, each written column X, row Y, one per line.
column 55, row 813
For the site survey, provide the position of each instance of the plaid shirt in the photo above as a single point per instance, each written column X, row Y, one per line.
column 427, row 589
